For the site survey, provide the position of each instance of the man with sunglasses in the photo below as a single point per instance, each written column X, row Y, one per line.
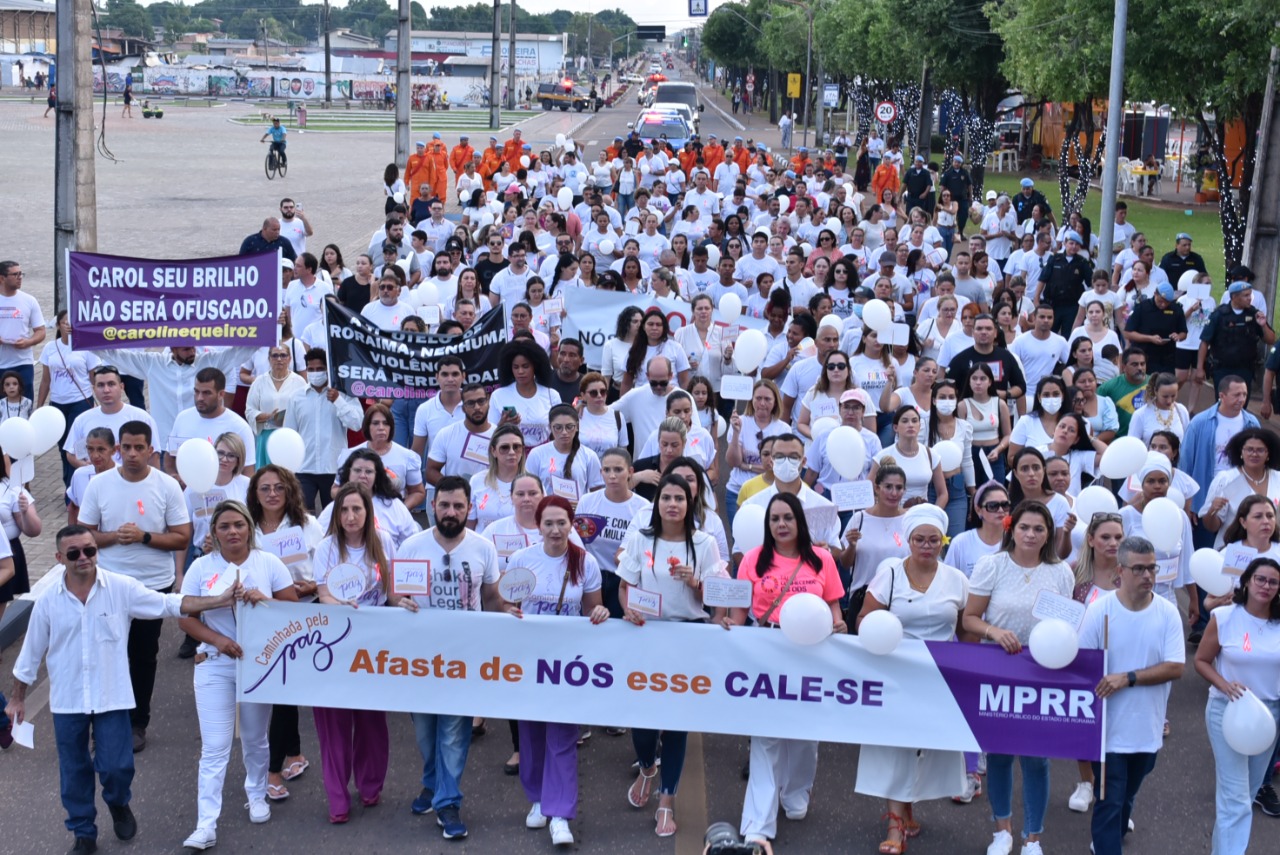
column 85, row 614
column 139, row 519
column 464, row 577
column 1143, row 636
column 644, row 407
column 490, row 260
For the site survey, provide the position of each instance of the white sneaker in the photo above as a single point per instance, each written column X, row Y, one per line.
column 1001, row 843
column 201, row 838
column 560, row 833
column 535, row 819
column 1081, row 797
column 982, row 763
column 972, row 789
column 1032, row 847
column 797, row 815
column 259, row 810
column 1131, row 825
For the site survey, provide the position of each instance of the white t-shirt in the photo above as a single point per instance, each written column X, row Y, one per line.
column 386, row 317
column 929, row 616
column 881, row 538
column 207, row 574
column 96, row 418
column 603, row 524
column 548, row 464
column 534, row 412
column 305, row 305
column 393, row 519
column 489, row 503
column 462, row 452
column 1227, row 428
column 79, row 481
column 1013, row 589
column 918, row 467
column 200, row 506
column 20, row 316
column 455, row 584
column 191, row 425
column 294, row 231
column 283, row 544
column 966, row 549
column 1038, row 358
column 603, row 432
column 1029, row 430
column 69, row 380
column 153, row 504
column 431, row 417
column 1250, row 652
column 403, row 466
column 646, row 564
column 328, row 557
column 1135, row 640
column 552, row 578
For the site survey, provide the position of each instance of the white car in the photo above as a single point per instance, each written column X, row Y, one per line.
column 684, row 111
column 655, row 68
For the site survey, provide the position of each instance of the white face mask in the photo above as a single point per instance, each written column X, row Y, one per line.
column 945, row 406
column 318, row 378
column 786, row 471
column 1051, row 405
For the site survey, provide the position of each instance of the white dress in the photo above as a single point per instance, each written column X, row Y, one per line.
column 916, row 774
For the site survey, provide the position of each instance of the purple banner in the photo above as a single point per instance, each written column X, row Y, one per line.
column 1013, row 706
column 117, row 302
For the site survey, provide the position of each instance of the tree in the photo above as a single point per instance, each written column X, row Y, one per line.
column 130, row 17
column 729, row 39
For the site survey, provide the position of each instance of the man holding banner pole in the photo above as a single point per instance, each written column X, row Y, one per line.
column 461, row 574
column 1142, row 634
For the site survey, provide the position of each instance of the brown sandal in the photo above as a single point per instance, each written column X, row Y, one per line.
column 894, row 847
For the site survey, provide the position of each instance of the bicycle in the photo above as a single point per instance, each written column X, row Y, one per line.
column 274, row 165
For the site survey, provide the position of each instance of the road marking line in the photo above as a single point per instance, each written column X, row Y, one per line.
column 692, row 818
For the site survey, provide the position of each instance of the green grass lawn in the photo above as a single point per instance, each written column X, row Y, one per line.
column 1160, row 222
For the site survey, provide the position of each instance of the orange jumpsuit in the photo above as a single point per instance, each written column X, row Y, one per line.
column 418, row 171
column 688, row 159
column 511, row 151
column 798, row 163
column 713, row 156
column 886, row 177
column 613, row 152
column 459, row 158
column 742, row 157
column 438, row 174
column 490, row 161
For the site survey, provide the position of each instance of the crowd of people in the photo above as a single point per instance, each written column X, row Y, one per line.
column 1025, row 344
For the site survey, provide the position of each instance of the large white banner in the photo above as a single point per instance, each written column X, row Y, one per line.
column 667, row 675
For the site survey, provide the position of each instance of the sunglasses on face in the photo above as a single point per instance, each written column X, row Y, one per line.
column 74, row 553
column 996, row 506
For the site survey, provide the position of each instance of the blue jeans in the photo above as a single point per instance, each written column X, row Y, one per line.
column 443, row 741
column 673, row 744
column 731, row 508
column 112, row 759
column 1035, row 789
column 4, row 719
column 948, row 238
column 1124, row 774
column 70, row 412
column 1238, row 779
column 957, row 508
column 403, row 411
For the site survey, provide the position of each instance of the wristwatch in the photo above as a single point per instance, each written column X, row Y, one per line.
column 1133, row 678
column 146, row 541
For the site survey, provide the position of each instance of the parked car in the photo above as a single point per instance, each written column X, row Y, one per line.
column 552, row 95
column 667, row 126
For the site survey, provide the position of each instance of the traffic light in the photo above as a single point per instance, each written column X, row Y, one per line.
column 684, row 41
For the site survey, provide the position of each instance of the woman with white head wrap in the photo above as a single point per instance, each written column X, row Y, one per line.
column 928, row 597
column 1173, row 568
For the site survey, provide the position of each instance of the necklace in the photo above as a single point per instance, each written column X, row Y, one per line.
column 1165, row 421
column 1257, row 482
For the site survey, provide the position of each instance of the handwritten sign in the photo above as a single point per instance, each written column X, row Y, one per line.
column 409, row 577
column 723, row 592
column 736, row 387
column 645, row 602
column 219, row 583
column 1166, row 570
column 517, row 584
column 287, row 544
column 476, row 449
column 346, row 582
column 729, row 335
column 822, row 519
column 553, row 305
column 853, row 495
column 565, row 487
column 1050, row 605
column 1236, row 557
column 431, row 315
column 508, row 544
column 209, row 501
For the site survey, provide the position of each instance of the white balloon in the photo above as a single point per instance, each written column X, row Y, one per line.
column 948, row 454
column 198, row 464
column 730, row 306
column 805, row 619
column 1247, row 725
column 784, row 204
column 405, row 265
column 1206, row 572
column 428, row 294
column 1094, row 500
column 486, row 219
column 807, row 247
column 877, row 315
column 644, row 169
column 832, row 320
column 286, row 449
column 833, row 224
column 606, row 247
column 49, row 424
column 713, row 256
column 497, row 207
column 490, row 195
column 17, row 438
column 560, row 140
column 748, row 528
column 569, row 143
column 880, row 632
column 565, row 197
column 524, row 161
column 1162, row 523
column 824, row 425
column 750, row 350
column 847, row 452
column 1077, row 537
column 1054, row 643
column 1123, row 457
column 805, row 344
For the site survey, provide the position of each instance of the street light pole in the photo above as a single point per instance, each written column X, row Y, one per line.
column 495, row 109
column 1115, row 112
column 808, row 69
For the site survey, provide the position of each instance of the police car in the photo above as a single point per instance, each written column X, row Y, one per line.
column 653, row 125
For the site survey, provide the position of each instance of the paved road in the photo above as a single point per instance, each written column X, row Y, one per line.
column 192, row 185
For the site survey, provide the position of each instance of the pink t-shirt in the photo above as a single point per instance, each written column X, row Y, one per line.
column 825, row 583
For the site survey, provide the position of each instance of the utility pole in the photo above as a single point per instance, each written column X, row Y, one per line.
column 495, row 109
column 1262, row 235
column 808, row 75
column 266, row 46
column 511, row 59
column 590, row 18
column 75, row 200
column 328, row 67
column 404, row 82
column 818, row 93
column 1115, row 113
column 924, row 137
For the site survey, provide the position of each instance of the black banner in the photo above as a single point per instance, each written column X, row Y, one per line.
column 368, row 362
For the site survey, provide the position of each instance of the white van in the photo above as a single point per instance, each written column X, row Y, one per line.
column 678, row 92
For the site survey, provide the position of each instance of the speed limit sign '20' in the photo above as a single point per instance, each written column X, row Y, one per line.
column 886, row 112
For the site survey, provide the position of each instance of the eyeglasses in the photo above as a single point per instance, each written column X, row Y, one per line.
column 659, row 384
column 595, row 393
column 279, row 355
column 931, row 542
column 794, row 458
column 996, row 506
column 270, row 488
column 564, row 428
column 1265, row 582
column 228, row 455
column 388, row 287
column 74, row 553
column 1143, row 569
column 510, row 449
column 837, row 366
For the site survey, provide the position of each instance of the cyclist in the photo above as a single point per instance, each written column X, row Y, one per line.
column 277, row 132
